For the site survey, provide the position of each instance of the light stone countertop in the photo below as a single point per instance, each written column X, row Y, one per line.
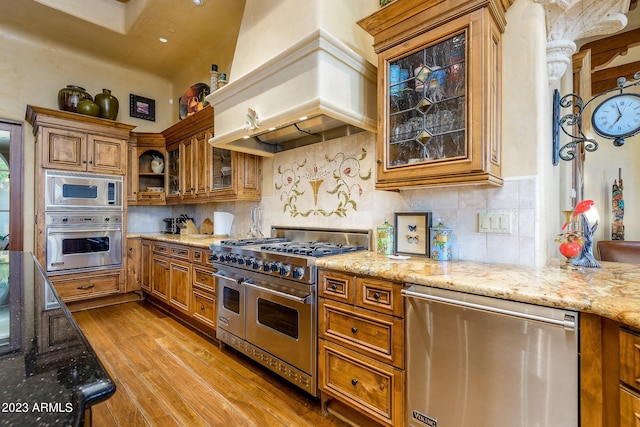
column 612, row 291
column 196, row 240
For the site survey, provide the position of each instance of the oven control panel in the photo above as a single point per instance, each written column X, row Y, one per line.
column 262, row 263
column 76, row 219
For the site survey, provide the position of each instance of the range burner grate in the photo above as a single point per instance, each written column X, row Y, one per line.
column 314, row 249
column 249, row 242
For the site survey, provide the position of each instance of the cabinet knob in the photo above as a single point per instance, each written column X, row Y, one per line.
column 84, row 161
column 130, row 249
column 90, row 162
column 354, row 330
column 376, row 295
column 334, row 287
column 354, row 382
column 202, row 307
column 379, row 161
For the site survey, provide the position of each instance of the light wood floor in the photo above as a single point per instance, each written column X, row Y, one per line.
column 166, row 374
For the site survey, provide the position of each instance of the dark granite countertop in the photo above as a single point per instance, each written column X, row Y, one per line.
column 48, row 371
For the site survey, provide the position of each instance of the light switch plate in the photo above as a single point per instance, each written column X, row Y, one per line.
column 494, row 223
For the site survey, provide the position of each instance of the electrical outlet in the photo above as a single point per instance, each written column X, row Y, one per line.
column 494, row 223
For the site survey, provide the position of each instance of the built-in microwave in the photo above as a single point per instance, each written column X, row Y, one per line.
column 69, row 190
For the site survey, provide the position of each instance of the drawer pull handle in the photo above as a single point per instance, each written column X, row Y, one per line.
column 354, row 382
column 354, row 330
column 202, row 307
column 334, row 286
column 376, row 295
column 86, row 287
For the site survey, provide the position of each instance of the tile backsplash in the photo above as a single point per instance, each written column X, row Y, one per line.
column 332, row 185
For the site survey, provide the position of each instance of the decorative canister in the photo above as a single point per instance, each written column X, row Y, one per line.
column 385, row 238
column 157, row 164
column 88, row 107
column 70, row 96
column 108, row 104
column 440, row 245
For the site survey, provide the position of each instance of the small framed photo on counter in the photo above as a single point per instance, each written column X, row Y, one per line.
column 412, row 233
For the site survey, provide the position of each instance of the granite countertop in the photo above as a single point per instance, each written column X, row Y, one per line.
column 196, row 240
column 612, row 291
column 48, row 371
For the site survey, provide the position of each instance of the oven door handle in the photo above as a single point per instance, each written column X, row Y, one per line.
column 301, row 300
column 230, row 279
column 82, row 230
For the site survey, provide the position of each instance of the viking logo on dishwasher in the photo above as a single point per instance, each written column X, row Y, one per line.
column 424, row 419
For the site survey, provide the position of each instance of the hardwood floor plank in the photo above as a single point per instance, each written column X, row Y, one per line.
column 169, row 374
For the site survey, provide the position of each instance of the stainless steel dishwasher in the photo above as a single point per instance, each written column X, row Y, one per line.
column 475, row 361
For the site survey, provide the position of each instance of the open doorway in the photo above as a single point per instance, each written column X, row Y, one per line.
column 11, row 185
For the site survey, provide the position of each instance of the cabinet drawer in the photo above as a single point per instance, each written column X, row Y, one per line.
column 88, row 287
column 197, row 255
column 374, row 388
column 204, row 307
column 336, row 286
column 379, row 295
column 630, row 358
column 376, row 335
column 629, row 408
column 151, row 196
column 180, row 252
column 204, row 277
column 160, row 248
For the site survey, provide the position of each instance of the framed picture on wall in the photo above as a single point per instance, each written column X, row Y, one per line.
column 142, row 108
column 412, row 233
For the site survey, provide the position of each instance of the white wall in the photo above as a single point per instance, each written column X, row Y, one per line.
column 32, row 72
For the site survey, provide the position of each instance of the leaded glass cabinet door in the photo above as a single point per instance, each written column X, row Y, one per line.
column 440, row 102
column 427, row 106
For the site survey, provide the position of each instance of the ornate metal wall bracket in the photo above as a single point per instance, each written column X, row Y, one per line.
column 571, row 124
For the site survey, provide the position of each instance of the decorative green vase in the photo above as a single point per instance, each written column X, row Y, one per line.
column 70, row 96
column 108, row 104
column 88, row 107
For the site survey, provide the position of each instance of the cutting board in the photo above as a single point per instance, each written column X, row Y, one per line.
column 207, row 226
column 191, row 227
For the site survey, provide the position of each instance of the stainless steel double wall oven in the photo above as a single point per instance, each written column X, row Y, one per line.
column 83, row 221
column 267, row 296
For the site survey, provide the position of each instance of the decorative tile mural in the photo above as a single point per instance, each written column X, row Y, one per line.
column 327, row 185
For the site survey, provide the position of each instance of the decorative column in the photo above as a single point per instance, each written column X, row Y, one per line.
column 571, row 20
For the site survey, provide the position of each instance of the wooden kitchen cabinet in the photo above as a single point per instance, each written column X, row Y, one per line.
column 439, row 92
column 361, row 345
column 148, row 186
column 76, row 142
column 145, row 265
column 199, row 173
column 134, row 258
column 180, row 278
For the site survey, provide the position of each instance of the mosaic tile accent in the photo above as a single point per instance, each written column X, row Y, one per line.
column 327, row 186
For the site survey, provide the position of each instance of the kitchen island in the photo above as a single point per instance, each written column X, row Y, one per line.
column 49, row 373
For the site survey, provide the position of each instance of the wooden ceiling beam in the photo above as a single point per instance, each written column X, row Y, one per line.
column 607, row 79
column 606, row 50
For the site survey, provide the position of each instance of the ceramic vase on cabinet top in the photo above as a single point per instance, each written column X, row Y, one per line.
column 70, row 96
column 88, row 107
column 108, row 104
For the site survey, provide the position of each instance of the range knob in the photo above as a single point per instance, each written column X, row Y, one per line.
column 285, row 269
column 227, row 258
column 215, row 256
column 241, row 260
column 257, row 263
column 64, row 219
column 234, row 259
column 298, row 272
column 275, row 266
column 107, row 219
column 266, row 267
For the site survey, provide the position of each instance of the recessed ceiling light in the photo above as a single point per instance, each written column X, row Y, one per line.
column 303, row 118
column 163, row 40
column 198, row 2
column 272, row 128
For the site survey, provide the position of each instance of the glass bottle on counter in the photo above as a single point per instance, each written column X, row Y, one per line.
column 213, row 78
column 385, row 239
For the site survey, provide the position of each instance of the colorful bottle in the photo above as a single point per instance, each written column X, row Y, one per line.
column 213, row 78
column 385, row 239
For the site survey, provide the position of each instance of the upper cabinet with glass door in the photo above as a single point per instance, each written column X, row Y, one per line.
column 439, row 92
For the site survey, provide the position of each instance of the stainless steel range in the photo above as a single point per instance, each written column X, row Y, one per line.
column 267, row 299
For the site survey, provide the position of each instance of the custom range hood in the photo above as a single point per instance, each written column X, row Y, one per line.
column 299, row 77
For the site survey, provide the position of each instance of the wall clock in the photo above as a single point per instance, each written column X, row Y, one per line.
column 616, row 117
